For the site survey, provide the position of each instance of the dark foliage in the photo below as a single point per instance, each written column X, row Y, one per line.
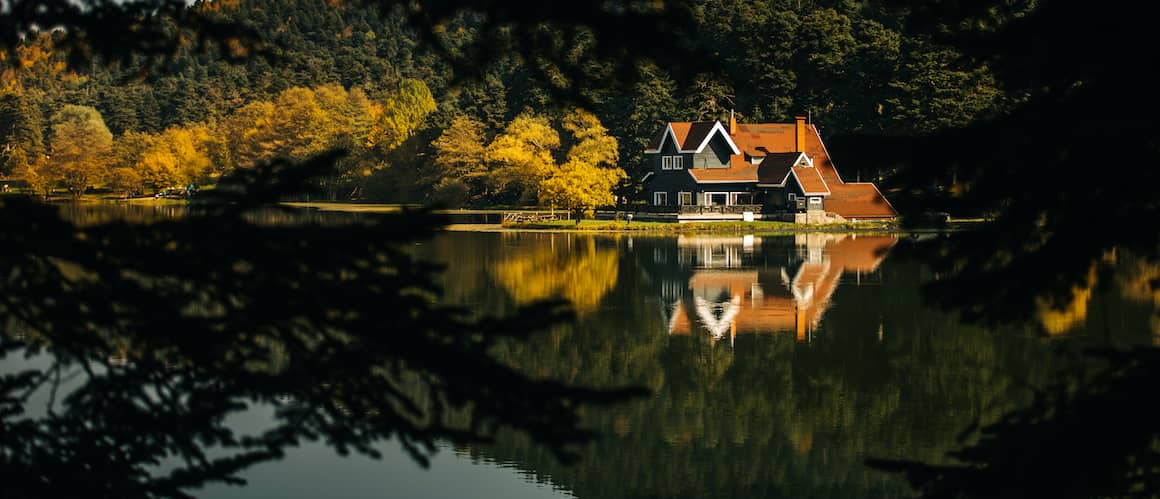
column 561, row 44
column 1088, row 435
column 120, row 32
column 1067, row 175
column 163, row 331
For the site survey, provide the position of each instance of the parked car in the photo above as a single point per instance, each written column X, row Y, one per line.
column 171, row 193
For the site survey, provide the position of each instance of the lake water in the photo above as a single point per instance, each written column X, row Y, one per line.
column 776, row 365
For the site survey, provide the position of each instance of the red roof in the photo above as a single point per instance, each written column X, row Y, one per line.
column 764, row 138
column 775, row 167
column 810, row 180
column 688, row 135
column 681, row 130
column 860, row 201
column 738, row 171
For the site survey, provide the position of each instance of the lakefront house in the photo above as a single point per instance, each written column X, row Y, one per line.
column 780, row 171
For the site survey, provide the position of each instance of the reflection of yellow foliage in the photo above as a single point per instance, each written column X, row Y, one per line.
column 803, row 443
column 1057, row 321
column 581, row 273
column 621, row 425
column 1136, row 283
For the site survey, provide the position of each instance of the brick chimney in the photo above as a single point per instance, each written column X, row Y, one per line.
column 799, row 136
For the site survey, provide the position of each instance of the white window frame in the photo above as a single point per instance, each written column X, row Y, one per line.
column 815, row 200
column 733, row 198
column 666, row 162
column 678, row 162
column 709, row 198
column 658, row 195
column 681, row 198
column 792, row 197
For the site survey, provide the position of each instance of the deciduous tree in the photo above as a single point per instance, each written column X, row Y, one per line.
column 460, row 153
column 81, row 147
column 587, row 178
column 522, row 155
column 403, row 113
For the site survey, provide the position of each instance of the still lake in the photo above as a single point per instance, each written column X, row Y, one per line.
column 776, row 366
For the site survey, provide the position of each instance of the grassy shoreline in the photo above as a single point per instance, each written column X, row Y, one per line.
column 699, row 227
column 586, row 226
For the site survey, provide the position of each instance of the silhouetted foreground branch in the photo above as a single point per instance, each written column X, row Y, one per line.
column 169, row 328
column 1086, row 436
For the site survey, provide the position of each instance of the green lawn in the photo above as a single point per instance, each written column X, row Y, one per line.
column 718, row 227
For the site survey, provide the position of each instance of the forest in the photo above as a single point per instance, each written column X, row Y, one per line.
column 417, row 129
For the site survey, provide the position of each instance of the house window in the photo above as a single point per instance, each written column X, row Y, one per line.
column 672, row 163
column 678, row 163
column 660, row 199
column 792, row 197
column 685, row 198
column 742, row 198
column 717, row 199
column 815, row 200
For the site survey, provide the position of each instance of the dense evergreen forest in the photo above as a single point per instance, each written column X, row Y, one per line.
column 349, row 76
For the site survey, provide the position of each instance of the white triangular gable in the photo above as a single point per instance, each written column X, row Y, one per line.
column 669, row 134
column 717, row 128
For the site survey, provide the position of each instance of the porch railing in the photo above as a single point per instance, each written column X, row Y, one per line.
column 735, row 209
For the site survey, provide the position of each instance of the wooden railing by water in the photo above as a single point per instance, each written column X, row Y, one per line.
column 516, row 217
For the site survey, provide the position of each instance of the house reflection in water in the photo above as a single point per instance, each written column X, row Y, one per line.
column 734, row 289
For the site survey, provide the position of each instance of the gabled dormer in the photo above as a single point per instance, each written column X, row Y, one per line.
column 691, row 138
column 689, row 145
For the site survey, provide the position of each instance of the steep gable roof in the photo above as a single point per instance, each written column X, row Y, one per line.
column 692, row 137
column 775, row 167
column 698, row 132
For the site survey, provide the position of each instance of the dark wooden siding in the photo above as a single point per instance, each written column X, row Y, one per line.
column 775, row 197
column 670, row 181
column 715, row 155
column 670, row 150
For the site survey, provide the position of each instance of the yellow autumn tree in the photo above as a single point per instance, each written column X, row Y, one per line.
column 127, row 177
column 303, row 122
column 460, row 158
column 81, row 146
column 38, row 175
column 348, row 122
column 522, row 155
column 251, row 134
column 402, row 113
column 587, row 178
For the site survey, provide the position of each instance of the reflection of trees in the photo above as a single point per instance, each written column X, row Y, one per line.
column 770, row 416
column 152, row 336
column 1086, row 431
column 1058, row 319
column 572, row 268
column 1137, row 278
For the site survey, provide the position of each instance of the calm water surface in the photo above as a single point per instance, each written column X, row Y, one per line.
column 777, row 365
